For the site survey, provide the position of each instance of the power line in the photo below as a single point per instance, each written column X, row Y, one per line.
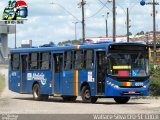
column 104, row 4
column 65, row 10
column 96, row 12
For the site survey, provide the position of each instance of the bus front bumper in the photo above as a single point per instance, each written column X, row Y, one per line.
column 117, row 91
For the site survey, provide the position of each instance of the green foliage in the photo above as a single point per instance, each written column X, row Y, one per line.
column 2, row 82
column 140, row 33
column 51, row 43
column 74, row 42
column 152, row 70
column 155, row 81
column 130, row 33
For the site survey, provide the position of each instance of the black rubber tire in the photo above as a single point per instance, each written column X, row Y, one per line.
column 45, row 97
column 86, row 95
column 36, row 94
column 122, row 100
column 69, row 98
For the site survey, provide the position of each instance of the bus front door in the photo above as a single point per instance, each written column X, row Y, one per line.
column 23, row 70
column 100, row 72
column 57, row 73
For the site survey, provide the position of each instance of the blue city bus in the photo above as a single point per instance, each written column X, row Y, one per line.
column 92, row 71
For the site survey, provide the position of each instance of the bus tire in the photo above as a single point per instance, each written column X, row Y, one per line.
column 69, row 98
column 86, row 95
column 36, row 94
column 122, row 100
column 44, row 97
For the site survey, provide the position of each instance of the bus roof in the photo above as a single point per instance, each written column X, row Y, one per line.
column 101, row 45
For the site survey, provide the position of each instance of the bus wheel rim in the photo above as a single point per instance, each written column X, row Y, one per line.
column 36, row 92
column 87, row 94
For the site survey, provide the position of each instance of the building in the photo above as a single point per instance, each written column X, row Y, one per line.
column 144, row 38
column 104, row 39
column 150, row 37
column 4, row 31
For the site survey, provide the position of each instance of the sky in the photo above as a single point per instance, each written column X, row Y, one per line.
column 54, row 22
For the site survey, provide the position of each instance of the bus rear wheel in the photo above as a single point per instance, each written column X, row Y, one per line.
column 122, row 100
column 86, row 95
column 36, row 94
column 69, row 98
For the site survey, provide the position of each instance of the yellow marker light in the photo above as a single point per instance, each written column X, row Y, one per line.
column 77, row 46
column 121, row 67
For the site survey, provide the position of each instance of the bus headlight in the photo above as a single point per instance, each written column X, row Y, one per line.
column 145, row 86
column 116, row 86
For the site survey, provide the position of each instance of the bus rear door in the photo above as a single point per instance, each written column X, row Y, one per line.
column 100, row 72
column 57, row 74
column 23, row 72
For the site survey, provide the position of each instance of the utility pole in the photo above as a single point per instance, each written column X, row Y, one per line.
column 127, row 25
column 106, row 28
column 83, row 20
column 15, row 34
column 147, row 38
column 114, row 21
column 107, row 24
column 75, row 23
column 154, row 34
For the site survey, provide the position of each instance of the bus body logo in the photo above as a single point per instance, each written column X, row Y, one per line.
column 37, row 76
column 13, row 74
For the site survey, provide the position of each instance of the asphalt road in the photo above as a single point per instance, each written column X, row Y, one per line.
column 14, row 103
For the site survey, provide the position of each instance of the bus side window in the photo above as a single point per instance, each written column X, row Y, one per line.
column 15, row 60
column 78, row 59
column 89, row 59
column 45, row 61
column 33, row 57
column 68, row 60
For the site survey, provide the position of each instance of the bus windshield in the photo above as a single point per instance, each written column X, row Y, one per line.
column 128, row 65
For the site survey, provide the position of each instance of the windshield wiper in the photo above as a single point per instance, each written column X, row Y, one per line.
column 138, row 57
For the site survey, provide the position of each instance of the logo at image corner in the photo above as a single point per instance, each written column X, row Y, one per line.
column 145, row 2
column 15, row 10
column 142, row 3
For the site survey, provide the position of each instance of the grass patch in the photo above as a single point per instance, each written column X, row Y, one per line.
column 2, row 82
column 155, row 81
column 4, row 66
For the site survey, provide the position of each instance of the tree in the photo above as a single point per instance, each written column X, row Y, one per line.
column 130, row 33
column 74, row 42
column 140, row 33
column 51, row 43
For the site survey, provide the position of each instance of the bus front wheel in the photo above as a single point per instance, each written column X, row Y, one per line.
column 36, row 94
column 121, row 100
column 86, row 95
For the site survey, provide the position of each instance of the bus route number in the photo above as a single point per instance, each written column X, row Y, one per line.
column 139, row 84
